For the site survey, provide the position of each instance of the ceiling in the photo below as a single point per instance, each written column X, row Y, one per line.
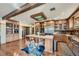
column 62, row 10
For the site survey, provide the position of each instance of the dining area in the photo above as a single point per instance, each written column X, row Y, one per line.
column 56, row 45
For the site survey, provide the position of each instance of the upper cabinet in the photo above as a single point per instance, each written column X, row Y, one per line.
column 60, row 25
column 12, row 27
column 16, row 28
column 74, row 21
column 9, row 28
column 50, row 26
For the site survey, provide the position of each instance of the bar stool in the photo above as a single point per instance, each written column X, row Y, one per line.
column 59, row 40
column 56, row 39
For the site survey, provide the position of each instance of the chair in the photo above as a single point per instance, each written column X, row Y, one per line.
column 41, row 50
column 38, row 51
column 59, row 40
column 25, row 50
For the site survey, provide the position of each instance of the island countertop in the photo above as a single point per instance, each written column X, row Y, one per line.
column 41, row 36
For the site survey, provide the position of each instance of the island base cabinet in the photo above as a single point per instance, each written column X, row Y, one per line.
column 12, row 37
column 48, row 45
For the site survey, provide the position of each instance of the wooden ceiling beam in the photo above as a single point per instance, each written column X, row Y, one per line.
column 24, row 8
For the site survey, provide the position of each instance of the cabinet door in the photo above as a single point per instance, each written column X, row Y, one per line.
column 48, row 45
column 7, row 38
column 11, row 38
column 16, row 36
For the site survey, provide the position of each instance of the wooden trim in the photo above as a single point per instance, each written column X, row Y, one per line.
column 73, row 13
column 4, row 17
column 49, row 20
column 23, row 9
column 73, row 21
column 77, row 18
column 12, row 20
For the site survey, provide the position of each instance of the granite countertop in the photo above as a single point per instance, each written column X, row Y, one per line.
column 75, row 41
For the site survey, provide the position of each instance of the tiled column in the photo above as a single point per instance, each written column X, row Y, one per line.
column 3, row 31
column 20, row 30
column 34, row 28
column 30, row 30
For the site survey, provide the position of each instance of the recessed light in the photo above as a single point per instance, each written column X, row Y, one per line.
column 51, row 9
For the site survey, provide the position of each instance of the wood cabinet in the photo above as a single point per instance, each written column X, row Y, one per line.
column 61, row 25
column 9, row 28
column 74, row 21
column 39, row 27
column 73, row 24
column 51, row 26
column 12, row 37
column 12, row 31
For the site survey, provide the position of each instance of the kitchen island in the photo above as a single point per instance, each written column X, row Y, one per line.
column 48, row 40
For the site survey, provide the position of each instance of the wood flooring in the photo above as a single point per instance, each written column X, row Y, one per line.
column 14, row 48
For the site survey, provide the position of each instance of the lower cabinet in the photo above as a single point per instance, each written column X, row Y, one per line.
column 12, row 37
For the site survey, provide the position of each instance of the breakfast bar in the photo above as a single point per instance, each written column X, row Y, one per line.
column 48, row 40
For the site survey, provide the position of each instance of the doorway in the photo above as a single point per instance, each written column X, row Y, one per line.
column 25, row 31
